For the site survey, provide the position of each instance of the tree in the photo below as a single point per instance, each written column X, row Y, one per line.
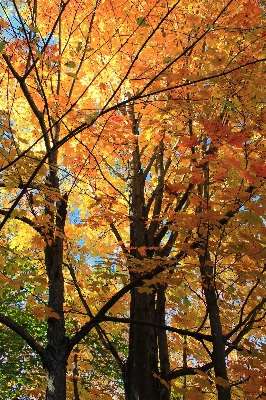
column 133, row 196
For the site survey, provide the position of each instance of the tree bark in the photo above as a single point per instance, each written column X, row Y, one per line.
column 56, row 352
column 75, row 378
column 218, row 353
column 184, row 378
column 208, row 283
column 162, row 343
column 56, row 377
column 142, row 363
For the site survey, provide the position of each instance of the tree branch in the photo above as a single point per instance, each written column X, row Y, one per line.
column 188, row 371
column 100, row 331
column 118, row 237
column 178, row 208
column 25, row 220
column 196, row 335
column 15, row 327
column 246, row 320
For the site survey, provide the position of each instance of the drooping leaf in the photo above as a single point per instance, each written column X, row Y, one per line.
column 141, row 21
column 167, row 59
column 70, row 64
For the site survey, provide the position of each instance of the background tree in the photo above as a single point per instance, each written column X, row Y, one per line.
column 132, row 176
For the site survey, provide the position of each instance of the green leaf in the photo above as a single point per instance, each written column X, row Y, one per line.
column 72, row 74
column 186, row 301
column 79, row 47
column 228, row 104
column 70, row 64
column 142, row 22
column 2, row 46
column 92, row 117
column 167, row 59
column 34, row 29
column 39, row 54
column 210, row 26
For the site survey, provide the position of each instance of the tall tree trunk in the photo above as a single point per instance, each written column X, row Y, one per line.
column 142, row 361
column 56, row 377
column 184, row 378
column 218, row 353
column 75, row 378
column 142, row 364
column 56, row 352
column 208, row 283
column 164, row 389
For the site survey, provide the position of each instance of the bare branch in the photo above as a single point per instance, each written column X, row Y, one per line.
column 178, row 208
column 188, row 371
column 196, row 335
column 247, row 319
column 118, row 237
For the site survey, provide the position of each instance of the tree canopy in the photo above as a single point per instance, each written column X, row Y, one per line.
column 132, row 242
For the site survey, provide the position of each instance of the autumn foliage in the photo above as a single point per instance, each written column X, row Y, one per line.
column 132, row 158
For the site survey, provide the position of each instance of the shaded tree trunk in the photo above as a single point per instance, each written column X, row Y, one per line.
column 209, row 289
column 57, row 351
column 184, row 378
column 75, row 378
column 142, row 363
column 218, row 353
column 164, row 389
column 56, row 376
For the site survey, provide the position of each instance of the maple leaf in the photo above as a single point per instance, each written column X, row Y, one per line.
column 3, row 24
column 132, row 197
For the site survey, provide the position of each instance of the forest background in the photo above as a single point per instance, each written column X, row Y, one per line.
column 132, row 245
